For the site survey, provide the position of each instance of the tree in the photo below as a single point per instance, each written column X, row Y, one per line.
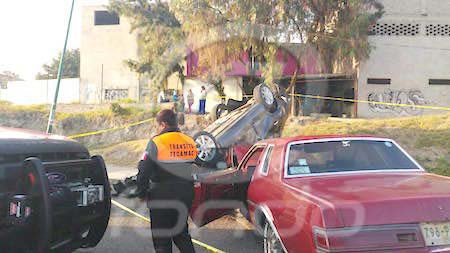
column 159, row 33
column 71, row 67
column 339, row 30
column 8, row 76
column 222, row 31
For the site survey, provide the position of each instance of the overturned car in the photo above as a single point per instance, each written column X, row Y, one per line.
column 261, row 117
column 54, row 197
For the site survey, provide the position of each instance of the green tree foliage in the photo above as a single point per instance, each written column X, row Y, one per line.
column 222, row 31
column 159, row 33
column 8, row 76
column 71, row 67
column 339, row 30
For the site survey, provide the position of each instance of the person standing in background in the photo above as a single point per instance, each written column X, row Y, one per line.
column 190, row 100
column 181, row 99
column 202, row 107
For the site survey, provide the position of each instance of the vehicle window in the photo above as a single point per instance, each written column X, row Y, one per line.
column 347, row 155
column 265, row 166
column 252, row 161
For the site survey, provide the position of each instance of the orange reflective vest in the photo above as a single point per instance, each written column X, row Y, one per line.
column 175, row 147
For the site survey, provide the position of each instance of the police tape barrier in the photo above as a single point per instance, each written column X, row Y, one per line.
column 76, row 136
column 372, row 102
column 199, row 243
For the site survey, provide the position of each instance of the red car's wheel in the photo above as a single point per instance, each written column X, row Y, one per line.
column 271, row 242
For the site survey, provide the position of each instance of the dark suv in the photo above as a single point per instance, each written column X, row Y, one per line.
column 54, row 197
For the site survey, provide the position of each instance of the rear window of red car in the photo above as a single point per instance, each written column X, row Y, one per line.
column 346, row 155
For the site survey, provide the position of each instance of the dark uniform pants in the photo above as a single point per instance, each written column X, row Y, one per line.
column 169, row 211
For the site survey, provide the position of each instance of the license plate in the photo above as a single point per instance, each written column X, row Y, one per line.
column 89, row 195
column 436, row 234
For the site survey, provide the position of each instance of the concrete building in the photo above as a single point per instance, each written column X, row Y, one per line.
column 106, row 43
column 410, row 62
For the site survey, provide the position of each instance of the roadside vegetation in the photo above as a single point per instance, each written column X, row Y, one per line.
column 427, row 138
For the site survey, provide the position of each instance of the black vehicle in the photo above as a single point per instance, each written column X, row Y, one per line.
column 54, row 197
column 258, row 118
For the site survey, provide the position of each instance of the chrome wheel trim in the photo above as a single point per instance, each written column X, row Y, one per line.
column 271, row 242
column 206, row 147
column 267, row 95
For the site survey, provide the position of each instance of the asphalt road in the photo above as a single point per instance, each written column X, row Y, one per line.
column 127, row 233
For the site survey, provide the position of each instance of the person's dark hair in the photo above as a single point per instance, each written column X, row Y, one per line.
column 167, row 116
column 203, row 87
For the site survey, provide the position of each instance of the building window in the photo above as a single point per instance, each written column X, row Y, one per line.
column 438, row 30
column 395, row 29
column 439, row 82
column 115, row 94
column 3, row 85
column 379, row 81
column 106, row 18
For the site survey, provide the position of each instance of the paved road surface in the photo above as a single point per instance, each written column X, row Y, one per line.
column 127, row 233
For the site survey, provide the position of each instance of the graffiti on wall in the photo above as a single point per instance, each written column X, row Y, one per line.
column 408, row 97
column 115, row 94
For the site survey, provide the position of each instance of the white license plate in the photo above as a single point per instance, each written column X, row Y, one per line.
column 89, row 195
column 436, row 234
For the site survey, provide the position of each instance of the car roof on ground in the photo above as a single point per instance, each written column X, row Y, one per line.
column 286, row 140
column 18, row 133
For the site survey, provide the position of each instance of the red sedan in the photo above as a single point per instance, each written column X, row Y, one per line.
column 332, row 194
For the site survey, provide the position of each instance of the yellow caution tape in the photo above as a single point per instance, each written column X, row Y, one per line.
column 199, row 243
column 372, row 102
column 110, row 129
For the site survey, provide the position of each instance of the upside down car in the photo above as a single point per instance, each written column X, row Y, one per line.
column 54, row 197
column 332, row 194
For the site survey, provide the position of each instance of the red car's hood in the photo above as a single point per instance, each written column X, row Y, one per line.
column 376, row 199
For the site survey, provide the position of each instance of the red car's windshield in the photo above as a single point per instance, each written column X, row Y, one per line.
column 346, row 155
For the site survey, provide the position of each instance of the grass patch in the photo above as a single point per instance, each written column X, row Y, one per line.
column 8, row 107
column 123, row 154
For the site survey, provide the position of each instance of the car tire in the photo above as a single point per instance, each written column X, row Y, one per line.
column 217, row 111
column 264, row 95
column 271, row 242
column 208, row 152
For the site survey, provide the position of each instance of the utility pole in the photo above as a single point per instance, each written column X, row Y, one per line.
column 60, row 70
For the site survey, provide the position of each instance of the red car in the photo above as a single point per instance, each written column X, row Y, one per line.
column 332, row 194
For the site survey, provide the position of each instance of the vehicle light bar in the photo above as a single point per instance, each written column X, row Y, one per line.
column 367, row 238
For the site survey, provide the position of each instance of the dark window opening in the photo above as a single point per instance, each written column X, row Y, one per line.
column 106, row 18
column 439, row 81
column 381, row 81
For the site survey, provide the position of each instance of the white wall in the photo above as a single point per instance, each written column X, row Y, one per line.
column 41, row 92
column 409, row 61
column 232, row 88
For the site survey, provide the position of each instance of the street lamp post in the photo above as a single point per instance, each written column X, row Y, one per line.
column 60, row 72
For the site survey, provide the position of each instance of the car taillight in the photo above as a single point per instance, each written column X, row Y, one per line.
column 367, row 238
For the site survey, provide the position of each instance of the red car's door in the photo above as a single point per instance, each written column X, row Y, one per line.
column 218, row 193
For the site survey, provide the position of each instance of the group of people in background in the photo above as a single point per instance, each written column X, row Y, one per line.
column 178, row 99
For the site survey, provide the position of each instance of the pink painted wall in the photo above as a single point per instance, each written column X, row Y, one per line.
column 308, row 64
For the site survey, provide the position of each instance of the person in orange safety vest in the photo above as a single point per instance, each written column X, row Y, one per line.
column 165, row 180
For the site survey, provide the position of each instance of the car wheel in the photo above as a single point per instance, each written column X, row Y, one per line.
column 265, row 96
column 217, row 111
column 207, row 148
column 271, row 242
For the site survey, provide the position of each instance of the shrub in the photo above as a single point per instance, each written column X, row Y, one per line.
column 118, row 110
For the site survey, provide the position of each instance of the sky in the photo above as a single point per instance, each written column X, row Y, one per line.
column 33, row 32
